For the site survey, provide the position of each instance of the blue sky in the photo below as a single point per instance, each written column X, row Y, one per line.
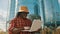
column 4, row 4
column 3, row 14
column 3, row 7
column 59, row 1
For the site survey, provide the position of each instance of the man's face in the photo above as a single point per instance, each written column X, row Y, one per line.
column 24, row 15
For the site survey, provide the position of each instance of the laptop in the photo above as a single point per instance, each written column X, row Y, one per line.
column 37, row 24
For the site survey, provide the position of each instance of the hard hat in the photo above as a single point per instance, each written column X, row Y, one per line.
column 23, row 9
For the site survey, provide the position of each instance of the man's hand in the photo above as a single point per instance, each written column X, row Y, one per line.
column 26, row 28
column 17, row 30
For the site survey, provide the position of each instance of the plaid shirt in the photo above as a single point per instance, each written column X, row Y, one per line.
column 20, row 23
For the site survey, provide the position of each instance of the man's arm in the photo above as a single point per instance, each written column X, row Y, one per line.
column 12, row 28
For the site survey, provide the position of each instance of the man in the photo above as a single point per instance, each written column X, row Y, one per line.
column 20, row 22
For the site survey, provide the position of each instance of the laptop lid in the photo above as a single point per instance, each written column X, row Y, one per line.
column 37, row 24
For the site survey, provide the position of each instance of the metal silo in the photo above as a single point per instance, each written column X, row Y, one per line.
column 52, row 12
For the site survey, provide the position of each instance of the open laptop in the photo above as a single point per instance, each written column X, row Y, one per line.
column 37, row 24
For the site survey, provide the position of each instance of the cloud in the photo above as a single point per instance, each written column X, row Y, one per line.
column 59, row 1
column 3, row 13
column 3, row 16
column 4, row 4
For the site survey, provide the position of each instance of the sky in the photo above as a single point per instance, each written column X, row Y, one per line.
column 59, row 1
column 3, row 7
column 3, row 14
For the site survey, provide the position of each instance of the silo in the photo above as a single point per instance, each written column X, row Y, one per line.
column 12, row 9
column 52, row 12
